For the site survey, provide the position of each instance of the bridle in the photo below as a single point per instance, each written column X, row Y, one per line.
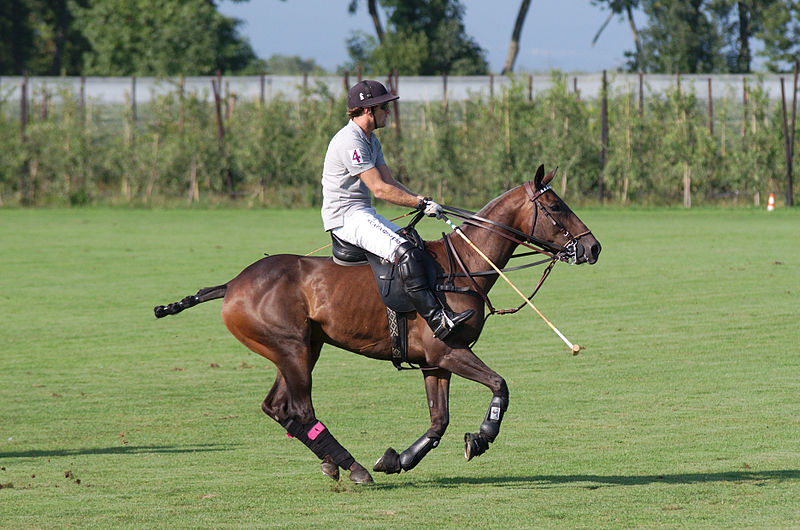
column 565, row 252
column 553, row 251
column 572, row 241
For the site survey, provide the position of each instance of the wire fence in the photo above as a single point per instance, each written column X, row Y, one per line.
column 132, row 90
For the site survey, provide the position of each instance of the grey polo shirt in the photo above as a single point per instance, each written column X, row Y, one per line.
column 349, row 154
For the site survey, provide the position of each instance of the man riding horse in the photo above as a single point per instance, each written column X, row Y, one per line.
column 354, row 166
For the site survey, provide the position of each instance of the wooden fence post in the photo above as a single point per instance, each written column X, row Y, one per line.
column 789, row 186
column 133, row 98
column 221, row 134
column 83, row 100
column 444, row 88
column 641, row 94
column 491, row 93
column 603, row 135
column 261, row 94
column 23, row 105
column 23, row 121
column 182, row 96
column 530, row 87
column 744, row 107
column 787, row 141
column 710, row 110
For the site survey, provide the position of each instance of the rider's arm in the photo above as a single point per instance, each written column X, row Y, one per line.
column 385, row 187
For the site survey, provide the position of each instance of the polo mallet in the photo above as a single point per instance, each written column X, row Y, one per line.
column 573, row 347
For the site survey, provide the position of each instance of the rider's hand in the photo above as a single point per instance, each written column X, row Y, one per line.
column 433, row 209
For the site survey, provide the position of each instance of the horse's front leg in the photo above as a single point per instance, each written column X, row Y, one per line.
column 437, row 388
column 463, row 362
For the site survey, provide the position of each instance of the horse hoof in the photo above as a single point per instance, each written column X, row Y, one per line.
column 359, row 475
column 330, row 468
column 160, row 311
column 389, row 463
column 474, row 445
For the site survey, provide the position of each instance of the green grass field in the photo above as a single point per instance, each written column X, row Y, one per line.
column 682, row 411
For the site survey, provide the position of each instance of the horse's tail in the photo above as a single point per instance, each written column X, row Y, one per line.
column 203, row 295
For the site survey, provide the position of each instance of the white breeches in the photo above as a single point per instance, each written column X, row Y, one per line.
column 370, row 231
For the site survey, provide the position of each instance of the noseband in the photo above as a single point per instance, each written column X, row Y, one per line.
column 570, row 249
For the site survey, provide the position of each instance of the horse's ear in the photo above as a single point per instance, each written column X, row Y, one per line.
column 549, row 176
column 537, row 180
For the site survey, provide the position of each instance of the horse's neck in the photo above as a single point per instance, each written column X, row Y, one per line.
column 494, row 246
column 497, row 248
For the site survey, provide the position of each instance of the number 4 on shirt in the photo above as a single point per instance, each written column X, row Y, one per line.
column 357, row 157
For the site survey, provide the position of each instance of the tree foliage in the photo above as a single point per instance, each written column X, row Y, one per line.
column 120, row 37
column 713, row 35
column 422, row 37
column 681, row 37
column 150, row 37
column 780, row 32
column 291, row 65
column 39, row 37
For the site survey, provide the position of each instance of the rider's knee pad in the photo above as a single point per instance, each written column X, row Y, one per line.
column 411, row 265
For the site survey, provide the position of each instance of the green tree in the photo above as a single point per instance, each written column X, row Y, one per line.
column 741, row 21
column 39, row 38
column 292, row 65
column 680, row 37
column 150, row 37
column 780, row 32
column 617, row 7
column 422, row 37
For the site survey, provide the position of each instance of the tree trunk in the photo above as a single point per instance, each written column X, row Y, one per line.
column 513, row 48
column 373, row 12
column 744, row 58
column 636, row 40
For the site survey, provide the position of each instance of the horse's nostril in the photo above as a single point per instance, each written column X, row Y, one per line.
column 580, row 251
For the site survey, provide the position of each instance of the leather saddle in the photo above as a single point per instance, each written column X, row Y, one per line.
column 387, row 277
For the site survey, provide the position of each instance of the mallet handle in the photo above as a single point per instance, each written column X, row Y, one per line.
column 502, row 275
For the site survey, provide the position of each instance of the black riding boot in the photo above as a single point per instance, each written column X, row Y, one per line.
column 412, row 270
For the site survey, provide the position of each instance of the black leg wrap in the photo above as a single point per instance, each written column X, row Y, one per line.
column 412, row 456
column 318, row 438
column 494, row 416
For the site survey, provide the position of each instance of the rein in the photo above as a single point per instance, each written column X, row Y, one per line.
column 553, row 251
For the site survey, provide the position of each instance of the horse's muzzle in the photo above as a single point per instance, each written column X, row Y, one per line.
column 584, row 253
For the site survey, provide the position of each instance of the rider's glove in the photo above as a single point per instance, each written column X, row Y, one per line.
column 430, row 208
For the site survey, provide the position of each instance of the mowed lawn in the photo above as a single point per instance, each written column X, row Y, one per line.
column 683, row 410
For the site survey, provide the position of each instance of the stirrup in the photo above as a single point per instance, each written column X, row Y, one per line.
column 448, row 323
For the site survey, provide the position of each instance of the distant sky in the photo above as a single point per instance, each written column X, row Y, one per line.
column 557, row 33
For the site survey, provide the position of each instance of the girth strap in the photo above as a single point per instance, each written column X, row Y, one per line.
column 398, row 336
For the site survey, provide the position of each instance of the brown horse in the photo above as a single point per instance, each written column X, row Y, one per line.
column 285, row 307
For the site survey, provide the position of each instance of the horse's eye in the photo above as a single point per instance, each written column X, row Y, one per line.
column 556, row 207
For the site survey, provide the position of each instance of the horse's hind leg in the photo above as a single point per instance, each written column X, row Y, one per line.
column 437, row 388
column 465, row 363
column 289, row 403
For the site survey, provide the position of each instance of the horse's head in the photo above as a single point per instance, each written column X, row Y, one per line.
column 554, row 222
